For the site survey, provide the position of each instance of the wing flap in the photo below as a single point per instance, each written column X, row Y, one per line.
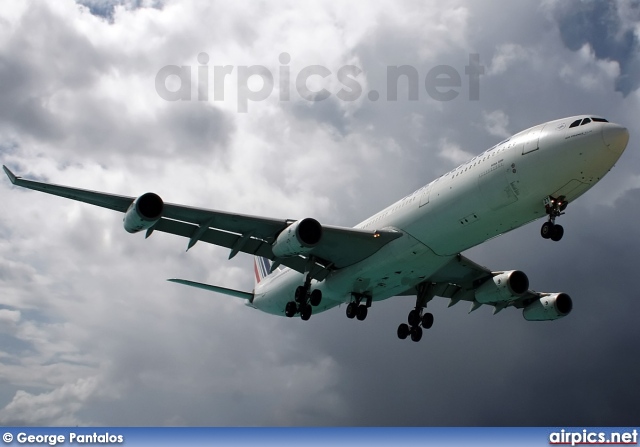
column 261, row 227
column 230, row 240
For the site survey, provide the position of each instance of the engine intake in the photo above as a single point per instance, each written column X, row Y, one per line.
column 143, row 213
column 298, row 238
column 504, row 286
column 550, row 307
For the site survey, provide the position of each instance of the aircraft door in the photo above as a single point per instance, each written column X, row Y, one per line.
column 424, row 197
column 531, row 140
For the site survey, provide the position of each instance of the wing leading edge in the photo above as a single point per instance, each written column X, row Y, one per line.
column 339, row 247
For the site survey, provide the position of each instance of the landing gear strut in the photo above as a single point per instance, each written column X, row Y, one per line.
column 357, row 310
column 304, row 299
column 417, row 319
column 555, row 207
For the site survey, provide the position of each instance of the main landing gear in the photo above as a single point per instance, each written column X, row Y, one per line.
column 355, row 309
column 417, row 319
column 555, row 207
column 303, row 303
column 304, row 300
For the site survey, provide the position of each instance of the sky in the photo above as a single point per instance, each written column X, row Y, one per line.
column 91, row 333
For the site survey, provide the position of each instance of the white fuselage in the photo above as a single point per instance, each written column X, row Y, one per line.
column 493, row 193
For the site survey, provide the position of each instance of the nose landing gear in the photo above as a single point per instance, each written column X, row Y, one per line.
column 555, row 207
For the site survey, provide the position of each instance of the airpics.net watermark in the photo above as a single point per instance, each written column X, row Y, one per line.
column 256, row 82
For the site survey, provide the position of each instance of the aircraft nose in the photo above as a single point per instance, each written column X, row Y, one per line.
column 615, row 136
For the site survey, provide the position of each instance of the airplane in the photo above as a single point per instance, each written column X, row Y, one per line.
column 414, row 246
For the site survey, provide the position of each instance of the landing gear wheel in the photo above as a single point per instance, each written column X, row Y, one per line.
column 416, row 333
column 403, row 331
column 305, row 312
column 427, row 320
column 352, row 310
column 362, row 312
column 557, row 232
column 414, row 318
column 315, row 298
column 290, row 309
column 547, row 230
column 299, row 294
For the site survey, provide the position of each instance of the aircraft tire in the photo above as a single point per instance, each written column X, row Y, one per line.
column 403, row 331
column 416, row 333
column 427, row 320
column 557, row 232
column 414, row 318
column 547, row 230
column 361, row 312
column 299, row 294
column 305, row 312
column 315, row 298
column 352, row 310
column 290, row 309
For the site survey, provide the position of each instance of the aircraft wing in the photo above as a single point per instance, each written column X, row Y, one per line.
column 459, row 279
column 339, row 247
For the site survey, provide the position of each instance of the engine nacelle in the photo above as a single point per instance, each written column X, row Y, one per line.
column 298, row 238
column 550, row 307
column 504, row 286
column 143, row 213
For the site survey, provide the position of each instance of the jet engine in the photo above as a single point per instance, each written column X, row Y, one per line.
column 504, row 286
column 550, row 307
column 143, row 213
column 298, row 238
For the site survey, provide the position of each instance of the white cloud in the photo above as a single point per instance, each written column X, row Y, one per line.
column 508, row 55
column 453, row 152
column 496, row 123
column 57, row 407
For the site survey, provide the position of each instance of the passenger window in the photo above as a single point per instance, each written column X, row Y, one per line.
column 576, row 123
column 585, row 121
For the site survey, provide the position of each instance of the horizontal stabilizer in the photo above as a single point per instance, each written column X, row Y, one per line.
column 224, row 290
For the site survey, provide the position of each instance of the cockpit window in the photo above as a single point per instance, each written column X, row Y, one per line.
column 575, row 124
column 599, row 120
column 585, row 121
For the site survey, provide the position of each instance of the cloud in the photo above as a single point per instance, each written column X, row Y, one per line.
column 453, row 153
column 609, row 28
column 496, row 123
column 92, row 332
column 53, row 408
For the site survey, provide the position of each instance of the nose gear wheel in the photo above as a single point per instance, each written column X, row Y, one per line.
column 555, row 208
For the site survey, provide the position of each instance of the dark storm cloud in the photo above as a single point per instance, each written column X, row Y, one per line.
column 599, row 24
column 480, row 369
